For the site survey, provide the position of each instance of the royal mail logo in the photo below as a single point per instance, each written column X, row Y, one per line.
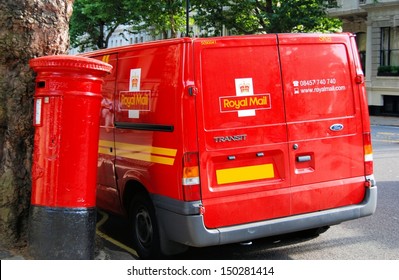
column 137, row 100
column 250, row 102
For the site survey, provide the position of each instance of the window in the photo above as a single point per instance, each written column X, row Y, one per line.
column 331, row 3
column 389, row 55
column 391, row 105
column 361, row 39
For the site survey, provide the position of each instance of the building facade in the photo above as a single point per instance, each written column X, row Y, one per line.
column 376, row 25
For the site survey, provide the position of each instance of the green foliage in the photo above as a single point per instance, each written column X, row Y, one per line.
column 210, row 16
column 388, row 70
column 265, row 16
column 94, row 21
column 162, row 17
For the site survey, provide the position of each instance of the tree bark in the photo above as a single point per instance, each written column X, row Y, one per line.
column 269, row 6
column 28, row 29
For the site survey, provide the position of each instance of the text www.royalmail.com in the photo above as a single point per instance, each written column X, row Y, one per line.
column 322, row 89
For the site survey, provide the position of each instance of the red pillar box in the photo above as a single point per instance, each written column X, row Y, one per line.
column 67, row 106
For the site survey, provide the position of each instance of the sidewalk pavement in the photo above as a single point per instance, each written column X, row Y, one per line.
column 102, row 254
column 9, row 255
column 106, row 254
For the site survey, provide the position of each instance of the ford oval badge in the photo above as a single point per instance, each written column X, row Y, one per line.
column 337, row 127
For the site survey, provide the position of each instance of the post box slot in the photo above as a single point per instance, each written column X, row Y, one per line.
column 41, row 84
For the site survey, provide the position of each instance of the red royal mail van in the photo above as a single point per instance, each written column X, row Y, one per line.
column 218, row 140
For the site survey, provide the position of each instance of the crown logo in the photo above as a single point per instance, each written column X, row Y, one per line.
column 244, row 87
column 135, row 81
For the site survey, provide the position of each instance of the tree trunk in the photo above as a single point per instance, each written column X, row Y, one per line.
column 28, row 29
column 269, row 6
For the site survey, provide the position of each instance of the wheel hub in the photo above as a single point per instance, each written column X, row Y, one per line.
column 144, row 227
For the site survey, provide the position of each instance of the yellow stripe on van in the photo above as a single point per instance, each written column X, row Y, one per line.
column 246, row 173
column 105, row 151
column 139, row 152
column 105, row 147
column 146, row 157
column 146, row 149
column 106, row 143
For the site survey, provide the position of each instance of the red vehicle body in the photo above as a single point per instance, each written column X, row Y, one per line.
column 211, row 141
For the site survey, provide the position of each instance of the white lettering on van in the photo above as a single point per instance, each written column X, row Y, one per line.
column 230, row 138
column 317, row 86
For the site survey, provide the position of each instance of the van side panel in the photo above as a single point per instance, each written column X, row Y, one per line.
column 241, row 130
column 148, row 129
column 324, row 122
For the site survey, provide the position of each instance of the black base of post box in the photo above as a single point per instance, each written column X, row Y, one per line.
column 62, row 233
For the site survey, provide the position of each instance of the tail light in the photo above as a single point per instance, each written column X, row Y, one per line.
column 191, row 180
column 368, row 154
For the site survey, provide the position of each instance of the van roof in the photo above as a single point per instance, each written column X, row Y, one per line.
column 303, row 36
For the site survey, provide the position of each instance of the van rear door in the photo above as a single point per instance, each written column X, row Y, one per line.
column 242, row 133
column 324, row 121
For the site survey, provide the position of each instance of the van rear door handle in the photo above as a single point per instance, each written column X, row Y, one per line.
column 303, row 158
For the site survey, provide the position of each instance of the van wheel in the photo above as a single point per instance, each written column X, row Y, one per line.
column 144, row 227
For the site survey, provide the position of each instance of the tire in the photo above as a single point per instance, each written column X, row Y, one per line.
column 144, row 227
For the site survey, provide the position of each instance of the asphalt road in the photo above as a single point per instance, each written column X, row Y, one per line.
column 370, row 238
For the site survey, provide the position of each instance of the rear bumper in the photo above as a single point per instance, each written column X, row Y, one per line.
column 190, row 229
